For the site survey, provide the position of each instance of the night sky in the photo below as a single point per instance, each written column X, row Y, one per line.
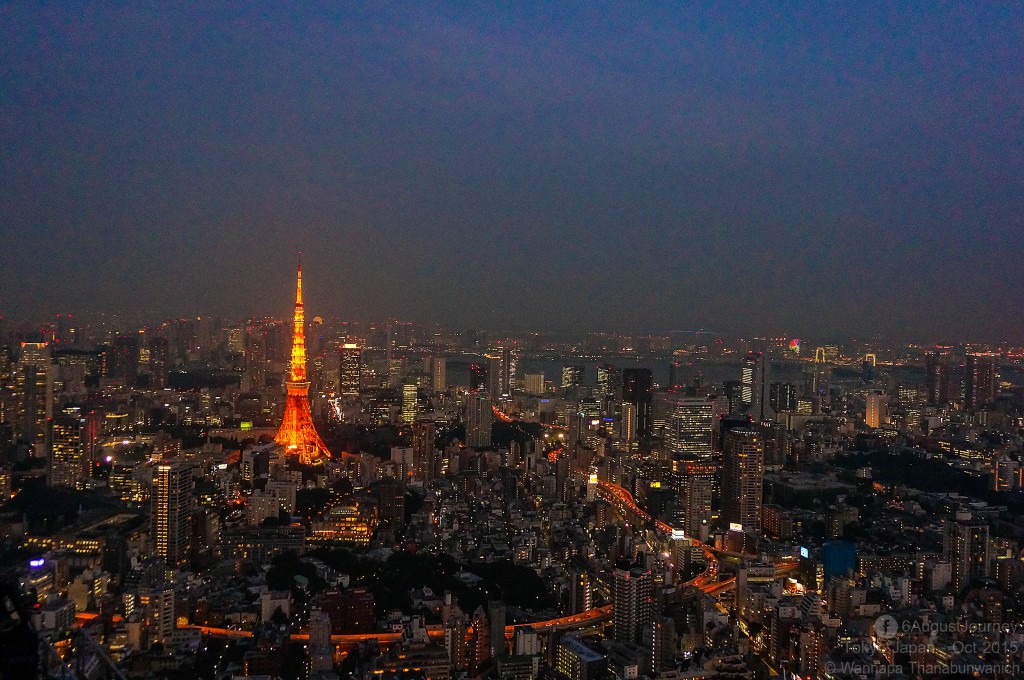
column 771, row 167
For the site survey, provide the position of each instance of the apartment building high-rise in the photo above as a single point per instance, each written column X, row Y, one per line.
column 693, row 482
column 439, row 373
column 479, row 418
column 424, row 450
column 937, row 378
column 980, row 381
column 967, row 542
column 633, row 600
column 742, row 478
column 172, row 504
column 876, row 409
column 350, row 369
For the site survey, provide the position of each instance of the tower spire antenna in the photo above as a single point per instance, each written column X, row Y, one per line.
column 297, row 432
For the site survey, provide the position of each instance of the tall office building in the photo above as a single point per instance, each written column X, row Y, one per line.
column 67, row 449
column 754, row 390
column 677, row 372
column 633, row 600
column 409, row 401
column 980, row 383
column 572, row 377
column 968, row 549
column 782, row 396
column 158, row 364
column 350, row 369
column 534, row 383
column 742, row 478
column 694, row 483
column 609, row 380
column 439, row 368
column 124, row 360
column 477, row 377
column 495, row 377
column 876, row 409
column 479, row 417
column 627, row 422
column 509, row 366
column 172, row 502
column 33, row 386
column 937, row 382
column 254, row 374
column 638, row 390
column 688, row 426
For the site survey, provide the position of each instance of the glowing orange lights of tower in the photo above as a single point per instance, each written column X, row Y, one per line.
column 297, row 433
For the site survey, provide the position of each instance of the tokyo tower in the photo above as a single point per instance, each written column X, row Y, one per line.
column 297, row 434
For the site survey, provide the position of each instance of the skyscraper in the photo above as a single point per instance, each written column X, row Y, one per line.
column 633, row 600
column 495, row 377
column 936, row 366
column 479, row 417
column 477, row 377
column 424, row 450
column 688, row 426
column 534, row 383
column 440, row 374
column 33, row 384
column 980, row 381
column 608, row 380
column 350, row 369
column 572, row 377
column 782, row 396
column 67, row 460
column 694, row 483
column 755, row 387
column 638, row 390
column 172, row 500
column 742, row 478
column 967, row 540
column 677, row 371
column 159, row 355
column 409, row 401
column 627, row 422
column 876, row 409
column 297, row 433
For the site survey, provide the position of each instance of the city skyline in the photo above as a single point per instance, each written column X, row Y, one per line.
column 765, row 169
column 512, row 341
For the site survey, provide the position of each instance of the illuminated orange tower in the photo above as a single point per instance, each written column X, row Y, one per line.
column 297, row 433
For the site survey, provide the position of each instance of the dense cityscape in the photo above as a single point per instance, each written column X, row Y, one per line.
column 476, row 340
column 328, row 499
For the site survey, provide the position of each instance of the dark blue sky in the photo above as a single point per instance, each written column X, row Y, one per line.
column 798, row 168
